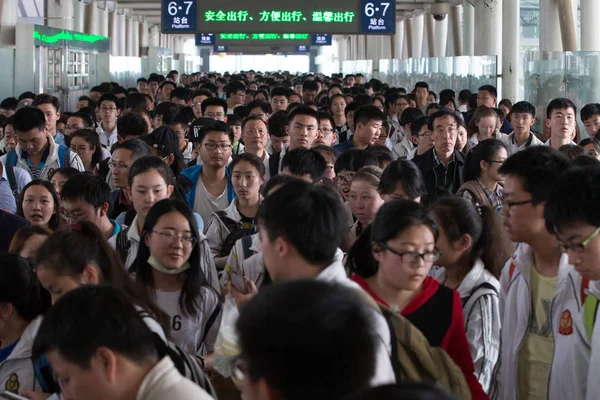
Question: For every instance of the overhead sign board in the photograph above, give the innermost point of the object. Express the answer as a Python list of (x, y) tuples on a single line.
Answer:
[(205, 39), (321, 39), (311, 16), (179, 16), (302, 49), (220, 49)]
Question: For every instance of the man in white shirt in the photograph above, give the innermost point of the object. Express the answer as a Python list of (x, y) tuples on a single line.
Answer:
[(561, 118), (109, 111), (99, 347)]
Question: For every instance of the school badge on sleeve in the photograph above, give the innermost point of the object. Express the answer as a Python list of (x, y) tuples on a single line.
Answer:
[(12, 384), (566, 323)]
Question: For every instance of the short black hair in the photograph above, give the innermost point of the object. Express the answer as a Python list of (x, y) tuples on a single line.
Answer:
[(573, 199), (572, 151), (335, 365), (136, 100), (277, 123), (447, 94), (490, 89), (353, 160), (215, 126), (421, 85), (175, 115), (137, 147), (538, 167), (560, 103), (280, 91), (310, 85), (180, 93), (487, 151), (9, 103), (366, 114), (303, 110), (109, 97), (405, 173), (441, 114), (20, 287), (352, 107), (45, 98), (589, 111), (326, 116), (308, 216), (87, 187), (28, 118), (463, 95), (431, 92), (523, 107), (213, 101), (303, 161), (131, 124), (90, 317), (410, 115), (418, 124), (259, 104), (234, 87), (85, 118)]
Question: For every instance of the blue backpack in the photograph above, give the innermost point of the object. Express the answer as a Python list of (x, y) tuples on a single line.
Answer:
[(64, 157)]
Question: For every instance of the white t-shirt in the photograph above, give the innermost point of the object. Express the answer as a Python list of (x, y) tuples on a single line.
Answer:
[(205, 203), (187, 153), (187, 332)]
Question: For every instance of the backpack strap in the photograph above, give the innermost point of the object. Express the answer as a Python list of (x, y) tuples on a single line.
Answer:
[(123, 244), (12, 180), (211, 321), (64, 156), (11, 158), (274, 164), (483, 289), (590, 311), (475, 189), (231, 225), (246, 244)]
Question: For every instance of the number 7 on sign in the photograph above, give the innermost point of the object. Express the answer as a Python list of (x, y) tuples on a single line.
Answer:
[(189, 4), (385, 7)]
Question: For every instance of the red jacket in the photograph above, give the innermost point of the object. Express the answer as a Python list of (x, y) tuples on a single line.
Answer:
[(437, 312)]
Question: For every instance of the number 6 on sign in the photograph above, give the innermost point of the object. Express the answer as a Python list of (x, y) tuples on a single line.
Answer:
[(370, 9), (172, 8)]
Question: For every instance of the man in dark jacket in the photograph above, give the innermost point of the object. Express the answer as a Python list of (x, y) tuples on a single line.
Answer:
[(442, 166)]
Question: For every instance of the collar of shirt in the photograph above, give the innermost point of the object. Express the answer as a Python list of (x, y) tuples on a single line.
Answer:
[(526, 144), (42, 162), (123, 198), (4, 174), (116, 227), (437, 161)]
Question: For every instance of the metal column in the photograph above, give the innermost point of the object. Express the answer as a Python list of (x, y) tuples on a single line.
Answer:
[(511, 46), (590, 15), (488, 27)]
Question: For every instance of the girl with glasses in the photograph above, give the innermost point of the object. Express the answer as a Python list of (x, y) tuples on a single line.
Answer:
[(392, 260), (171, 264)]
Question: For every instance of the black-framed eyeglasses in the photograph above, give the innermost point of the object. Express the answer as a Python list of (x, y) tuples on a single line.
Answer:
[(511, 204), (578, 247), (170, 238), (410, 257)]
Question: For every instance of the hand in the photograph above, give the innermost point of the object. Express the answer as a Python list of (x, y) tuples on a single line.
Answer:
[(31, 395), (240, 298)]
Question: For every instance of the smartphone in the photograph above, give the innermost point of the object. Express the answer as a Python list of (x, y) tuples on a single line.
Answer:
[(239, 283), (11, 396)]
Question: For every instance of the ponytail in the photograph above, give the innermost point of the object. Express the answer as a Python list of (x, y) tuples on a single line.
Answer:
[(360, 258), (493, 247), (458, 217)]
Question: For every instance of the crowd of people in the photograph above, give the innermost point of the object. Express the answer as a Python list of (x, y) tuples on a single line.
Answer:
[(360, 241)]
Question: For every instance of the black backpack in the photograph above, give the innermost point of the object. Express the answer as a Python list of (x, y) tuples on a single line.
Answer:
[(236, 232)]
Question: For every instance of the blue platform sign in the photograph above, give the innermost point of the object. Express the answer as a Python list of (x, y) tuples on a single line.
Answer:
[(378, 16), (178, 16), (221, 49), (206, 39), (321, 39), (302, 49)]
